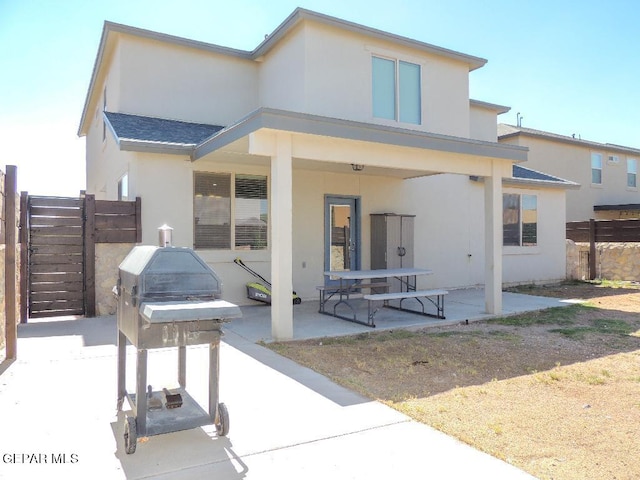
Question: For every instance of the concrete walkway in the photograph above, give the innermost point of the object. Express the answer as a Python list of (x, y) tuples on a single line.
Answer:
[(58, 404)]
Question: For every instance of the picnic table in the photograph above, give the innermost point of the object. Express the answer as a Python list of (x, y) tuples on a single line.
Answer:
[(353, 281)]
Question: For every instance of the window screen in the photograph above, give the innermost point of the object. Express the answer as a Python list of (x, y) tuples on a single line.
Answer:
[(529, 220), (632, 172), (596, 168), (384, 88), (510, 219), (409, 78), (212, 210), (251, 212)]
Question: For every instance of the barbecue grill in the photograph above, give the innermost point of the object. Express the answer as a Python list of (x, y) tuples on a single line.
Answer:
[(169, 297)]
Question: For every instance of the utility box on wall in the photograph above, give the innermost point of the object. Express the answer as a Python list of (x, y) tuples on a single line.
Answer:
[(392, 242)]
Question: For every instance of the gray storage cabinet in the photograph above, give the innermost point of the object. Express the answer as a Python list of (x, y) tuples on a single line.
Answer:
[(392, 242)]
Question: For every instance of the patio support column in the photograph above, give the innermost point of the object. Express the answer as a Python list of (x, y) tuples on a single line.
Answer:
[(493, 240), (281, 239)]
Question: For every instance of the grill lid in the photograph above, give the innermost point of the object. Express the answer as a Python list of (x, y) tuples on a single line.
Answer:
[(167, 271)]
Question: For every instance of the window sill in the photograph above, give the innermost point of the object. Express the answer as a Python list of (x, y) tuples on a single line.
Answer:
[(532, 250), (597, 185)]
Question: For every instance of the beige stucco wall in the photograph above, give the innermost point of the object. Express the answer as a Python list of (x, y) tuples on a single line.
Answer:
[(546, 261), (483, 124), (450, 233), (164, 203), (326, 71), (282, 74), (170, 81), (573, 162)]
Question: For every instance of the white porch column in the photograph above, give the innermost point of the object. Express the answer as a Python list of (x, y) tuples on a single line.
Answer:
[(493, 240), (281, 239)]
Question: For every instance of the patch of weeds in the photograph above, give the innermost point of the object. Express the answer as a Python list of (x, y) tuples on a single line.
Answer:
[(603, 326), (576, 333), (393, 335), (447, 334), (614, 326), (614, 283), (546, 378), (550, 316), (496, 428), (508, 336), (590, 379)]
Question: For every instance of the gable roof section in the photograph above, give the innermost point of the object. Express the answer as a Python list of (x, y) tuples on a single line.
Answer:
[(138, 133), (509, 131), (533, 177), (523, 176), (298, 15)]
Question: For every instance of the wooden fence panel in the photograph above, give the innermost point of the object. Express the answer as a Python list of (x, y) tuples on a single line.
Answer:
[(117, 221)]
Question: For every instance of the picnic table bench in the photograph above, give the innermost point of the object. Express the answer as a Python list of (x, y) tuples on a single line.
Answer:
[(415, 294)]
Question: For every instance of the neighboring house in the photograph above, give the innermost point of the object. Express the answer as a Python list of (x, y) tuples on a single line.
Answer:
[(263, 154), (608, 174)]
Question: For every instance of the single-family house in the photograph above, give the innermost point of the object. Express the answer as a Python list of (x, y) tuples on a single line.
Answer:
[(607, 173), (265, 154)]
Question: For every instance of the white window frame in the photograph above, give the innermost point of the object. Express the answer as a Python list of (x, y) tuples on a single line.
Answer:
[(232, 211), (596, 156), (520, 248), (123, 187), (397, 94)]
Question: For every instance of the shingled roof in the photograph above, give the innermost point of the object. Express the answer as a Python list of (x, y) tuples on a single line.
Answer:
[(136, 128), (526, 176)]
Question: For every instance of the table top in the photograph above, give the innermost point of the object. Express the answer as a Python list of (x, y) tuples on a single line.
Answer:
[(366, 274)]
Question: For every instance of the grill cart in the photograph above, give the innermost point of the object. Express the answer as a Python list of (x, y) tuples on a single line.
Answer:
[(168, 297)]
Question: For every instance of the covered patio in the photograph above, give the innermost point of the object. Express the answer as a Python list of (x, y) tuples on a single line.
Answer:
[(285, 141)]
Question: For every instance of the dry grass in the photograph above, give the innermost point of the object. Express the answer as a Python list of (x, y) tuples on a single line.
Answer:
[(556, 393)]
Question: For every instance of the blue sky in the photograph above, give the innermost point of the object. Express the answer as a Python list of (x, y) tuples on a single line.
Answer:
[(567, 66)]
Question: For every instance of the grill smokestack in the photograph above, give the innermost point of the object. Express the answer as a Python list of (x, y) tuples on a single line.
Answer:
[(165, 234)]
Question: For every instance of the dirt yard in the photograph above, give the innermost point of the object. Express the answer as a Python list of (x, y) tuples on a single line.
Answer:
[(556, 393)]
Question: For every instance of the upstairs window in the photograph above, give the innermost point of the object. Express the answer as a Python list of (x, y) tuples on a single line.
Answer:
[(519, 220), (632, 173), (396, 90), (596, 168), (230, 209), (123, 187)]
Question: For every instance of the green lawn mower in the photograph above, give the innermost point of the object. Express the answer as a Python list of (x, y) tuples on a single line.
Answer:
[(261, 292)]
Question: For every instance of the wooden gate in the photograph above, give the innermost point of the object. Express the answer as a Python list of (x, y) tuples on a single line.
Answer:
[(56, 266)]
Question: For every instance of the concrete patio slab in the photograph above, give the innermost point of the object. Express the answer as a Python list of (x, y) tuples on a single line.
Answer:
[(460, 306), (59, 418)]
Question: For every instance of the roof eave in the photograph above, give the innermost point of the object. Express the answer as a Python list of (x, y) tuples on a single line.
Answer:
[(82, 128), (572, 141), (499, 109), (541, 183), (127, 145), (300, 14)]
